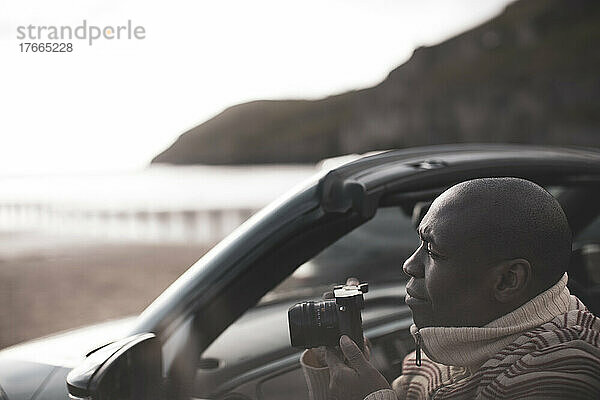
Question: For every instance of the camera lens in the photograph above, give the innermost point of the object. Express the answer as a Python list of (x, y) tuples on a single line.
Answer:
[(314, 324)]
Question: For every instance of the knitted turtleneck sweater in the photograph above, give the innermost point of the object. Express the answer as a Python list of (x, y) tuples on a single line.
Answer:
[(547, 348)]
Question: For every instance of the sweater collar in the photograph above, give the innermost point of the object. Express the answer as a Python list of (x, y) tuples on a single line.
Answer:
[(472, 346)]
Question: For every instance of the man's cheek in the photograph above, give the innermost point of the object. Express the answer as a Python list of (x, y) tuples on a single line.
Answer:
[(437, 291), (443, 298)]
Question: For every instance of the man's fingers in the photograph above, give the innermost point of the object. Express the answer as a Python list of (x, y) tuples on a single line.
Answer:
[(367, 347), (333, 360), (328, 295), (315, 357), (355, 357), (352, 281)]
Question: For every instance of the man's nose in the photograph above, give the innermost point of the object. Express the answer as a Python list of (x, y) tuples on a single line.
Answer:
[(413, 266)]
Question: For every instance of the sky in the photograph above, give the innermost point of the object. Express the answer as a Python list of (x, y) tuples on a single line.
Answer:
[(115, 104)]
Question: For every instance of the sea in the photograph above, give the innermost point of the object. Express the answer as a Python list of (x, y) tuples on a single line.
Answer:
[(179, 204)]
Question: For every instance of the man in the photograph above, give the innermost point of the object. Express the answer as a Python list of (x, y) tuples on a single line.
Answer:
[(493, 318)]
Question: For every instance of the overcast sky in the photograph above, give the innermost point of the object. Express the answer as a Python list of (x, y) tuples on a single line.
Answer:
[(115, 104)]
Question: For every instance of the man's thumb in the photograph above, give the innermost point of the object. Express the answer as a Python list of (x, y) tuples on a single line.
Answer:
[(355, 357)]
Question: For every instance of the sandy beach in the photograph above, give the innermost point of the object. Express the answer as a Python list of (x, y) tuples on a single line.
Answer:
[(51, 284)]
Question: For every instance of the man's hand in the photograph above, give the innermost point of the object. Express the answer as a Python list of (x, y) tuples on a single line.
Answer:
[(315, 357), (355, 380)]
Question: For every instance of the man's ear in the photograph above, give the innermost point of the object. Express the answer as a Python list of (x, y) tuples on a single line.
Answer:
[(512, 280)]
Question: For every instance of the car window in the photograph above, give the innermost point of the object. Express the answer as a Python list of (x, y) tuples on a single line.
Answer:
[(591, 234), (256, 347), (373, 252), (586, 256)]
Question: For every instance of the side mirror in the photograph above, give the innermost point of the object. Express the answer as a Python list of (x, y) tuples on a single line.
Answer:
[(129, 369)]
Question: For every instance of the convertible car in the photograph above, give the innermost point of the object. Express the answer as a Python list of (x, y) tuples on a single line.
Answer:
[(220, 331)]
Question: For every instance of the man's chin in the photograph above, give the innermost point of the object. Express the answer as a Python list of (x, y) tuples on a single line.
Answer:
[(421, 318)]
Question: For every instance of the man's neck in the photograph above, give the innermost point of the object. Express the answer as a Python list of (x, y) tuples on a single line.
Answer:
[(472, 346)]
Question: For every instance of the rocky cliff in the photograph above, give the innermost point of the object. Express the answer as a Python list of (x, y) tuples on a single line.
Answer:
[(530, 75)]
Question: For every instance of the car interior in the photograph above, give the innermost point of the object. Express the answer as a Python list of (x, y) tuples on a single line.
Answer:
[(251, 361)]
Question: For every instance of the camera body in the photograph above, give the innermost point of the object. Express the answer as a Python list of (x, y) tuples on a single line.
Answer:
[(322, 323)]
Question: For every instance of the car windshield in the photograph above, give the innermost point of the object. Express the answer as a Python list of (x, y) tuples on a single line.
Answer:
[(373, 253)]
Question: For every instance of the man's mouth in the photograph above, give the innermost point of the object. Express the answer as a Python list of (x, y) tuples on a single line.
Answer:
[(413, 297)]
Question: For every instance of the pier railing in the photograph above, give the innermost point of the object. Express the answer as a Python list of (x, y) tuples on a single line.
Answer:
[(197, 226)]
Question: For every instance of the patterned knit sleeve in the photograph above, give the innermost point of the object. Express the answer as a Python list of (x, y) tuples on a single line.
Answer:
[(566, 371), (384, 394), (317, 379)]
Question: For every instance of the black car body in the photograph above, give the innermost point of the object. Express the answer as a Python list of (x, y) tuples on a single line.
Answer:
[(219, 340)]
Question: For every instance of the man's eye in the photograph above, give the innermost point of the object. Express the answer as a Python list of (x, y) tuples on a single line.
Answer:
[(431, 253)]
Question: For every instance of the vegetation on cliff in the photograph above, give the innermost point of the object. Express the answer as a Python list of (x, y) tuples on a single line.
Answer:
[(529, 75)]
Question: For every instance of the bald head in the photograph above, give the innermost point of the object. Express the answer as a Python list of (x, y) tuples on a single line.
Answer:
[(487, 247), (507, 218)]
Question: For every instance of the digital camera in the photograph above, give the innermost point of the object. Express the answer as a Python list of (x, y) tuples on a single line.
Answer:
[(322, 323)]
